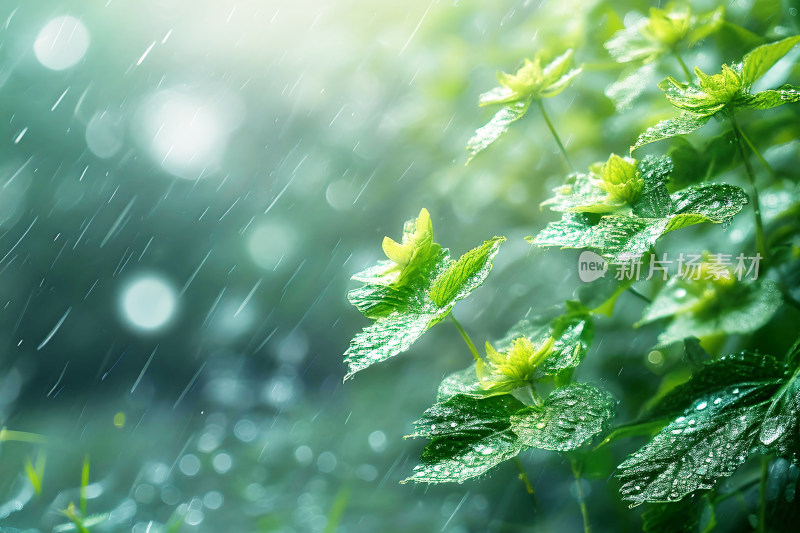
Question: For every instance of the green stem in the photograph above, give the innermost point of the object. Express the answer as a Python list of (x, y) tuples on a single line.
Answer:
[(20, 436), (338, 507), (760, 157), (533, 398), (465, 336), (793, 352), (760, 242), (683, 66), (639, 295), (555, 136), (577, 468), (523, 476), (762, 495)]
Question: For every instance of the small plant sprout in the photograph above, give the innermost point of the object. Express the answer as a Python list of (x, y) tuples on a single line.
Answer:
[(726, 93), (534, 81), (664, 32), (415, 249), (504, 372), (35, 472), (78, 517), (644, 44)]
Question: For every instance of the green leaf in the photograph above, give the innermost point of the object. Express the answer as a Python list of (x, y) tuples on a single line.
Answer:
[(36, 473), (79, 523), (569, 418), (744, 38), (629, 45), (375, 300), (618, 237), (730, 407), (461, 382), (680, 125), (408, 297), (630, 85), (654, 201), (457, 460), (773, 98), (386, 338), (705, 307), (704, 25), (780, 429), (726, 371), (21, 436), (408, 257), (559, 84), (708, 442), (718, 203), (470, 436), (467, 416), (757, 62), (84, 483), (466, 274), (486, 135)]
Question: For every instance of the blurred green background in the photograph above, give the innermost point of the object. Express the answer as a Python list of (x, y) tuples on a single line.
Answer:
[(186, 187)]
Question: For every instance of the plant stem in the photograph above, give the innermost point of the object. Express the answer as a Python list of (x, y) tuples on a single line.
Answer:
[(793, 351), (639, 294), (760, 243), (465, 336), (555, 136), (760, 157), (20, 436), (577, 468), (523, 476), (762, 495), (683, 66)]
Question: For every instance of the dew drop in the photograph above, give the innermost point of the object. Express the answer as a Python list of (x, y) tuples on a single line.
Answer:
[(771, 430)]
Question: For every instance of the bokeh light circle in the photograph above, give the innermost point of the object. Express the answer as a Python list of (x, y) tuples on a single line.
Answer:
[(61, 43), (104, 134), (148, 303)]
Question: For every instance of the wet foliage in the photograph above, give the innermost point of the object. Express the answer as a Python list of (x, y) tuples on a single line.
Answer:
[(712, 413), (187, 189)]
